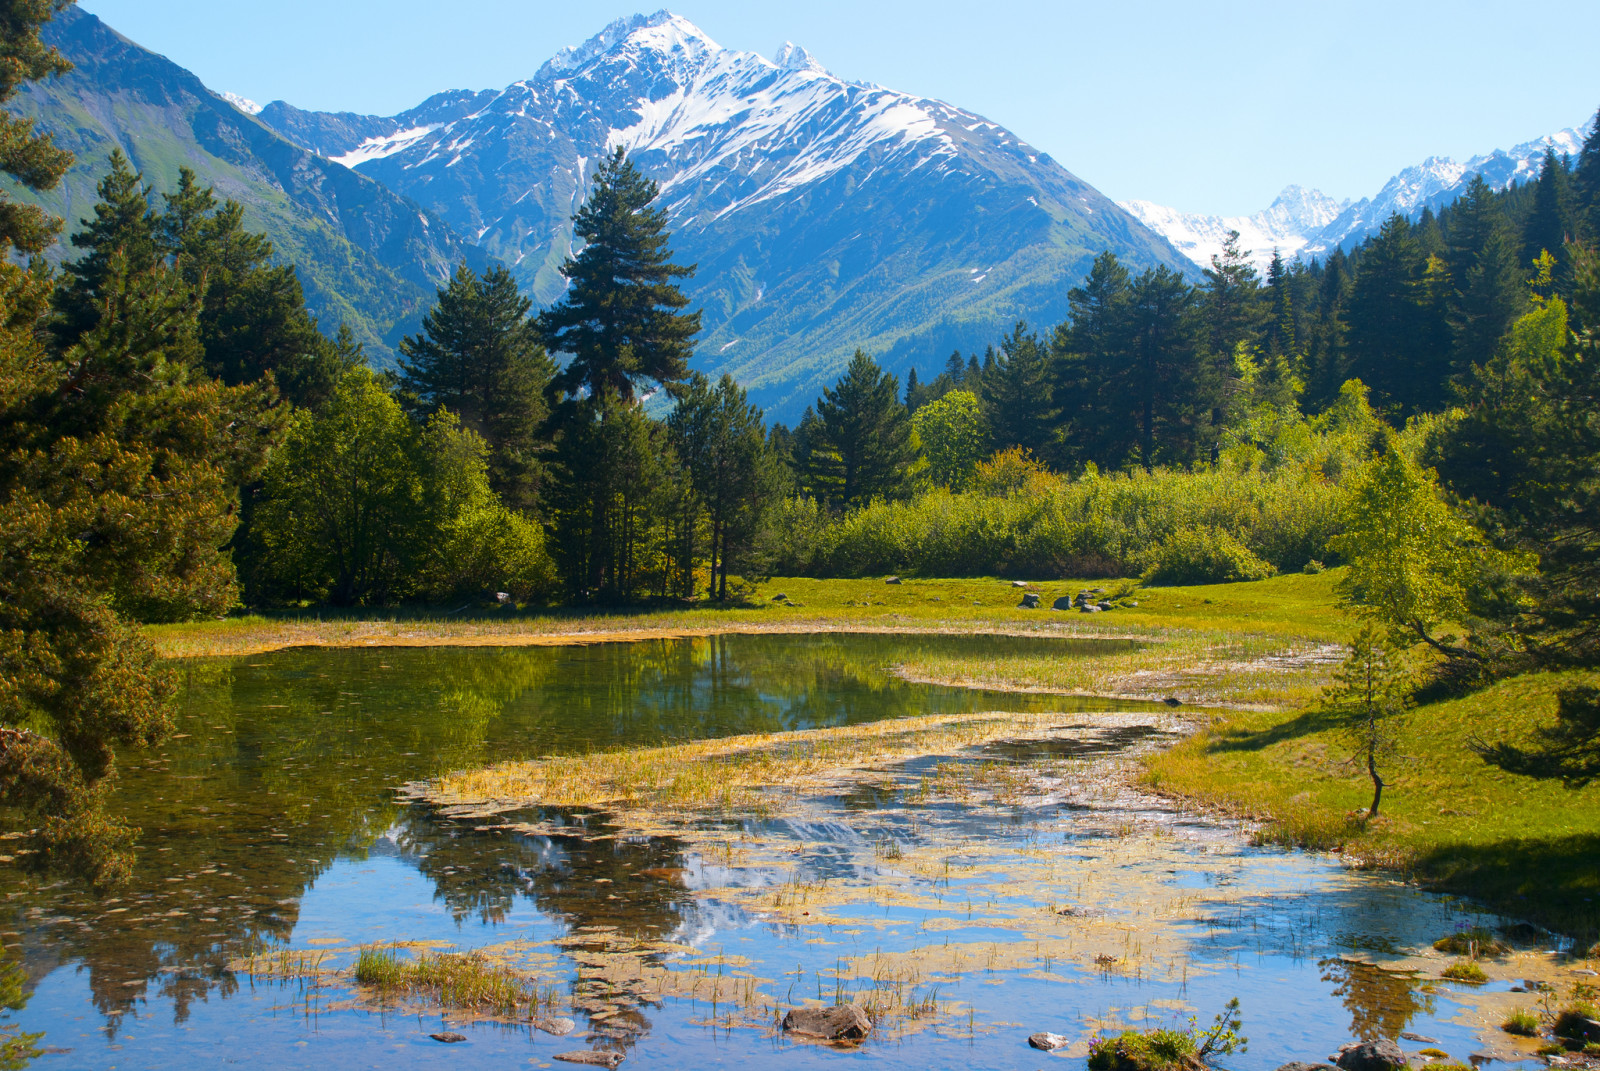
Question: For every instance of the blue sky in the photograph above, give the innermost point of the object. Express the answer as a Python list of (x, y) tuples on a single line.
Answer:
[(1205, 106)]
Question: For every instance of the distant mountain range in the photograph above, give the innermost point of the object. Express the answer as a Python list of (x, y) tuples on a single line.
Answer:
[(366, 255), (823, 214), (1307, 223)]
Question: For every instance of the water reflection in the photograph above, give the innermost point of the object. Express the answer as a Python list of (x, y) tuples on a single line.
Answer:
[(286, 762)]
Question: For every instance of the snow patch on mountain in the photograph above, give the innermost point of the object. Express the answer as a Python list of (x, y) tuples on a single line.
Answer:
[(244, 104), (381, 147), (1285, 227), (1306, 223)]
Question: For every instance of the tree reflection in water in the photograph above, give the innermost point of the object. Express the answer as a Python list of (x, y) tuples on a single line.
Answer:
[(1381, 1003)]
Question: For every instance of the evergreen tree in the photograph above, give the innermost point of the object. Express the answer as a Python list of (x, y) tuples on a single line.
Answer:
[(125, 229), (1326, 363), (1586, 184), (1281, 333), (480, 357), (1487, 287), (858, 439), (1088, 352), (1392, 341), (1552, 222), (32, 160), (1232, 299), (718, 438), (1172, 388), (619, 319), (1016, 393)]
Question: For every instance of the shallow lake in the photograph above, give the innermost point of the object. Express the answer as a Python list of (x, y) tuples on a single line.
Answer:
[(981, 914)]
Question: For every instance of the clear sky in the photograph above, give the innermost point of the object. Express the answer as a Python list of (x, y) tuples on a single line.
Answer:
[(1208, 106)]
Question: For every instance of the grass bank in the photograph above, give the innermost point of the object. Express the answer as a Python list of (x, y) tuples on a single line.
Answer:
[(1245, 643), (1524, 846)]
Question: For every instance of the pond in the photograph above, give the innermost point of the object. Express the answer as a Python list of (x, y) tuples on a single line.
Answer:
[(975, 908)]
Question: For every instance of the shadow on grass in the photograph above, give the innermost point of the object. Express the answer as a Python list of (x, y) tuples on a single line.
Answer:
[(1553, 881), (1242, 739)]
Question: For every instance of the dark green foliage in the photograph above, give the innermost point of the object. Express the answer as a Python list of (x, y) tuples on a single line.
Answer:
[(1089, 353), (33, 160), (620, 319), (1396, 335), (718, 438), (1233, 311), (1552, 221), (1487, 290), (1016, 394), (856, 445), (480, 357), (1586, 184), (1172, 390)]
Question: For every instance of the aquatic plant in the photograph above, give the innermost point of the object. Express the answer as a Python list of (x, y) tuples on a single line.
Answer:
[(1464, 971), (1166, 1049), (1472, 943), (1523, 1022), (452, 979)]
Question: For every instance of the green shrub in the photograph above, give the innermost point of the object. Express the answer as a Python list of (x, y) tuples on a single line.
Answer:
[(1522, 1022), (1474, 942), (1153, 1050), (1576, 1020), (1465, 971), (1313, 567), (1203, 556)]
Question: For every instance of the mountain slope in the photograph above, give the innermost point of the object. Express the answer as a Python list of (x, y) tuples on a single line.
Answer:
[(823, 214), (364, 255), (1307, 223)]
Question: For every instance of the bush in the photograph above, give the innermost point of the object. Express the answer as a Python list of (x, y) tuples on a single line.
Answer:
[(1577, 1022), (1203, 556), (1522, 1022), (1465, 971), (1474, 943), (1154, 1050)]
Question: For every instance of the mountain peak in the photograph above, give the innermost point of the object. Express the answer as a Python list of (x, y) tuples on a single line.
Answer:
[(791, 57), (662, 32)]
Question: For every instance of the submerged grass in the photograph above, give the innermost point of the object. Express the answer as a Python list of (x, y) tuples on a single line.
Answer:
[(1527, 847), (467, 981), (725, 773)]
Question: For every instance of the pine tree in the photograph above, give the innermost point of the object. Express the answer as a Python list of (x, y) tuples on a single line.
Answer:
[(1280, 336), (1552, 223), (1087, 354), (1391, 348), (1173, 389), (1232, 299), (1016, 394), (479, 356), (126, 229), (619, 319), (1586, 184), (1487, 286), (1368, 698), (859, 439), (32, 160), (1326, 361)]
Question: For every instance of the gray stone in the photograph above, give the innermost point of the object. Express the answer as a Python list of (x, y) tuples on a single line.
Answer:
[(780, 597), (1097, 591), (1300, 1065), (892, 580), (448, 1038), (1063, 603), (591, 1058), (838, 1023), (1372, 1056), (1133, 604), (557, 1025), (1105, 606), (1089, 608), (1030, 601), (1173, 701), (1048, 1042), (1019, 583), (1420, 1039)]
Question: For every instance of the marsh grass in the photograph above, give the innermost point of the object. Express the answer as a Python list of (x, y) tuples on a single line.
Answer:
[(1523, 1022), (1464, 970), (466, 981), (1471, 943), (730, 774)]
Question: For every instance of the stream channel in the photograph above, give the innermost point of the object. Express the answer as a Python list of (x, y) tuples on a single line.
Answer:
[(972, 907)]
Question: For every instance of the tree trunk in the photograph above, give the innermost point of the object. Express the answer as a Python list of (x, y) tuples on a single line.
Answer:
[(1377, 784)]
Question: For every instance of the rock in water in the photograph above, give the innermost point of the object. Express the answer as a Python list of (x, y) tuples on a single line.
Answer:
[(1048, 1042), (840, 1022), (1299, 1065), (557, 1026), (591, 1058), (1372, 1056), (448, 1038), (1030, 601)]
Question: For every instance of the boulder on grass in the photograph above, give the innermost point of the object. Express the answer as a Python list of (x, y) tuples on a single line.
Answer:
[(1063, 603), (842, 1022), (1030, 601)]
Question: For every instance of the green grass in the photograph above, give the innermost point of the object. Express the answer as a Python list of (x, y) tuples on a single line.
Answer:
[(1523, 1022), (1464, 971), (1528, 847), (467, 981)]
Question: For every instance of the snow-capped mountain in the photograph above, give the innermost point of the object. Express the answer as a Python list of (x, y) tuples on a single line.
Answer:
[(1286, 227), (1307, 223), (823, 214)]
